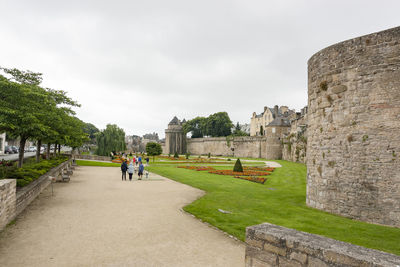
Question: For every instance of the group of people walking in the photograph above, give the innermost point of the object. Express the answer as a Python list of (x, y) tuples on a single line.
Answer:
[(130, 169)]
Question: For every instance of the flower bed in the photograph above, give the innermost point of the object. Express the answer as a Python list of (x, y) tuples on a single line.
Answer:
[(197, 168), (266, 169), (260, 180), (244, 173)]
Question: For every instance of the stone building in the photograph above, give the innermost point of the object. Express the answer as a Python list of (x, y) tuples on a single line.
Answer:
[(259, 122), (295, 141), (353, 135), (175, 139)]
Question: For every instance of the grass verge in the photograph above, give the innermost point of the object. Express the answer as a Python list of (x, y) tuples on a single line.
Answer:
[(96, 163), (281, 201)]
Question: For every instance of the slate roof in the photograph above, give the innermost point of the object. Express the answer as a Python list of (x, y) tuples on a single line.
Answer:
[(174, 121), (279, 121)]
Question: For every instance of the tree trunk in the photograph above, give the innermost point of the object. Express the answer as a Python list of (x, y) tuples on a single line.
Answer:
[(48, 151), (39, 145), (21, 151), (59, 149), (55, 149)]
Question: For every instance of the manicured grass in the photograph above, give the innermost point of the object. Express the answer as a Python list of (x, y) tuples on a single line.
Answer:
[(281, 201), (96, 163)]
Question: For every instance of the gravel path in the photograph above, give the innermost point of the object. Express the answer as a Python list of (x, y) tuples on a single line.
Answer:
[(98, 220)]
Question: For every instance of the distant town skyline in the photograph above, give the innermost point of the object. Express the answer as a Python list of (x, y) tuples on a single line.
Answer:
[(138, 64)]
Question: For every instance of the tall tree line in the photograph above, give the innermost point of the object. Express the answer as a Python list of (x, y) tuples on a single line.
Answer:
[(215, 125), (29, 111)]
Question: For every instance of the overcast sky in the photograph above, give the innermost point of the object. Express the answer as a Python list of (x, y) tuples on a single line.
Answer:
[(139, 63)]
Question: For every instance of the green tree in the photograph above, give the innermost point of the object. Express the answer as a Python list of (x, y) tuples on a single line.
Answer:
[(238, 166), (91, 130), (218, 124), (261, 130), (196, 126), (238, 132), (111, 139), (30, 111), (153, 149)]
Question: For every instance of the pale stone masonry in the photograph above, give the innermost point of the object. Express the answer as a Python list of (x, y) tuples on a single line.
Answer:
[(272, 245), (7, 201), (353, 149)]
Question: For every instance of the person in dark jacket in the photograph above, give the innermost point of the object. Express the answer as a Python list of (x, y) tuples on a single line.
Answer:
[(124, 168), (141, 169)]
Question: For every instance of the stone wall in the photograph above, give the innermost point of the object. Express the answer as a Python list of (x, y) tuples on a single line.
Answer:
[(353, 146), (13, 201), (272, 245), (246, 146), (7, 201), (93, 157), (295, 142)]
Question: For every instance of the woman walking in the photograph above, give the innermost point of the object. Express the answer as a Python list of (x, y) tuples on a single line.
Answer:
[(131, 169)]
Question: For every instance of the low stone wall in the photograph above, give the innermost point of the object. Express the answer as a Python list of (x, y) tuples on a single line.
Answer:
[(28, 193), (13, 201), (272, 245), (7, 201), (246, 146), (93, 157)]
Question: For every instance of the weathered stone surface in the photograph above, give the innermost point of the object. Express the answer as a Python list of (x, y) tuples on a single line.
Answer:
[(269, 147), (315, 262), (274, 249), (300, 257), (283, 262), (339, 89), (7, 201), (312, 250), (353, 145), (261, 255)]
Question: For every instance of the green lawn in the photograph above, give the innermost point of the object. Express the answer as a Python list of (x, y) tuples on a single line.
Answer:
[(281, 201), (96, 163)]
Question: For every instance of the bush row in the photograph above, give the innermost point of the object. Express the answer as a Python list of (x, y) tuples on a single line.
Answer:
[(31, 171)]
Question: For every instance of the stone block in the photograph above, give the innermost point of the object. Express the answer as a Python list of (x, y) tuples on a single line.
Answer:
[(339, 89), (300, 257), (276, 250), (283, 262), (261, 255), (339, 258), (255, 243), (315, 262)]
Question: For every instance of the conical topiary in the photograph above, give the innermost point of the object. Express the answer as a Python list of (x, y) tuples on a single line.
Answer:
[(238, 166), (176, 155)]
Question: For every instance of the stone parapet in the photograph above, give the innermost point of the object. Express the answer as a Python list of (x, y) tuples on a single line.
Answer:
[(7, 201), (27, 194), (272, 245), (243, 146), (14, 200)]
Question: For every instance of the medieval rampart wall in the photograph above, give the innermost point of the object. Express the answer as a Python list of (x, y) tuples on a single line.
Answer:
[(353, 135)]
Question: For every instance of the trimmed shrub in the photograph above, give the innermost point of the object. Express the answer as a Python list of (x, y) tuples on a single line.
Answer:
[(238, 166), (176, 155)]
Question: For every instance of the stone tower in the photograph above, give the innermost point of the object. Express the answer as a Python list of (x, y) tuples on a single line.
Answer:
[(175, 139), (353, 144)]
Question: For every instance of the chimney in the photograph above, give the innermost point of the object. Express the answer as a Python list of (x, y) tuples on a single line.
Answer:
[(276, 110)]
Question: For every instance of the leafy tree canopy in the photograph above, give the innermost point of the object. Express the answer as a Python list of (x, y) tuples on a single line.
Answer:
[(215, 125)]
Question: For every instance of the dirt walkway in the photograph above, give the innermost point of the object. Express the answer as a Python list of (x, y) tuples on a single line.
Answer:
[(98, 220)]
